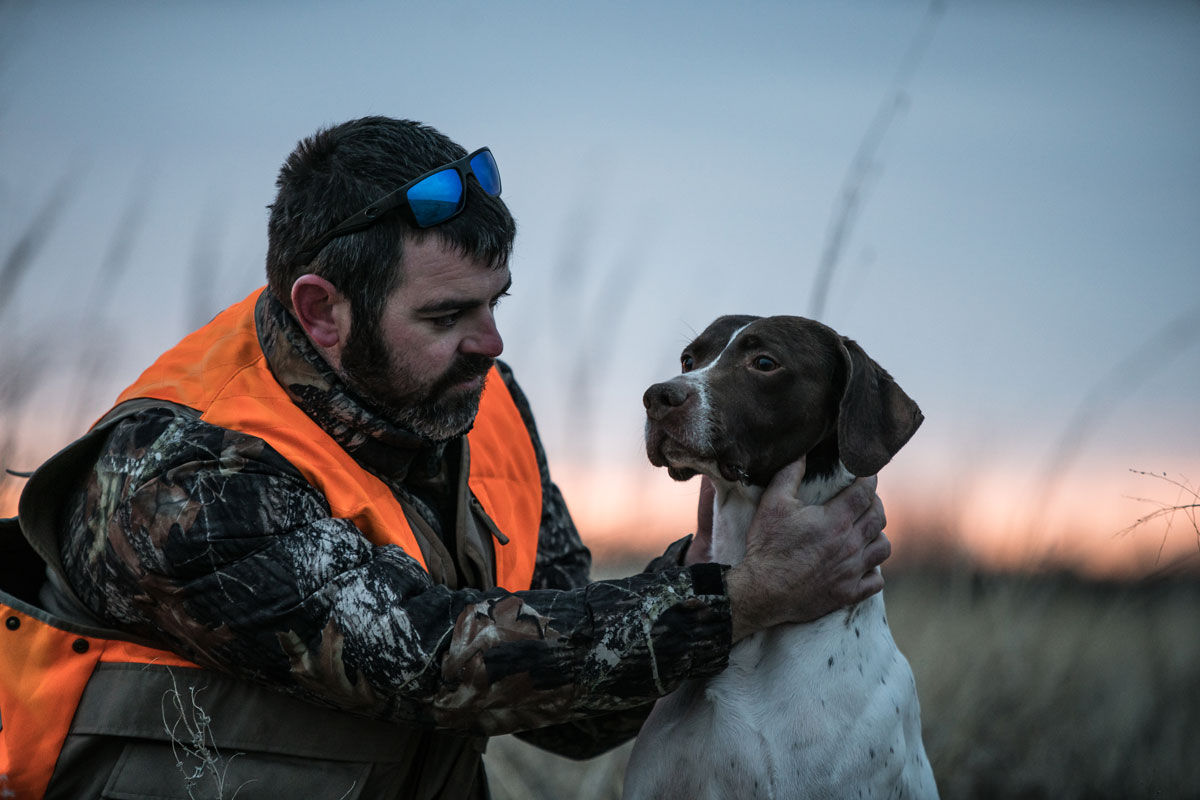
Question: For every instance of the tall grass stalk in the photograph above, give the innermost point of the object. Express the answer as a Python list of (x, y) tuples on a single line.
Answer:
[(1169, 511), (865, 166)]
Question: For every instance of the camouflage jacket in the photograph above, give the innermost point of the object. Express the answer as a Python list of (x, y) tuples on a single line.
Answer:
[(207, 541)]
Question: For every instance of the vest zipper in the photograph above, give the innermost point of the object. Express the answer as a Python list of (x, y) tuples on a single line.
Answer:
[(487, 521)]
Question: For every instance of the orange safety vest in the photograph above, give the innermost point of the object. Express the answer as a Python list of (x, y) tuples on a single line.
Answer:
[(43, 672), (220, 371)]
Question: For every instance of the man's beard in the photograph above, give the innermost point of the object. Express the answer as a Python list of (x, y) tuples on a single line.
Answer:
[(438, 412)]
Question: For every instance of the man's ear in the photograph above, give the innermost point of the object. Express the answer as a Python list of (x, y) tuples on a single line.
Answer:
[(323, 312)]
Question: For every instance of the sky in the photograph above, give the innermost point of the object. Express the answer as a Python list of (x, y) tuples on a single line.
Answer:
[(1007, 194)]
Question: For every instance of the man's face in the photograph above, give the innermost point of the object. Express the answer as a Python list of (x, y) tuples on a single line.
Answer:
[(437, 339)]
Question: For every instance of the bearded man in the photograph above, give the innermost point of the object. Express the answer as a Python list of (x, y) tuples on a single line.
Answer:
[(315, 550)]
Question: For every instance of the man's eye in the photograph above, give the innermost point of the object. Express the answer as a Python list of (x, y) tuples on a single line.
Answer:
[(765, 364), (688, 362), (445, 321)]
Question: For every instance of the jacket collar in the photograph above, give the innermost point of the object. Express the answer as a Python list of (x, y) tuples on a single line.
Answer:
[(388, 450)]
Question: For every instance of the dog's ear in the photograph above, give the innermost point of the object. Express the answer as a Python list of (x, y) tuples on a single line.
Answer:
[(875, 417)]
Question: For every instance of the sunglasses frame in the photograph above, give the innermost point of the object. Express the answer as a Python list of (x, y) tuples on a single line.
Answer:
[(398, 198)]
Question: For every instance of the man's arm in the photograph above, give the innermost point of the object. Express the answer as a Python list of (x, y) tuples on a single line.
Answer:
[(207, 541)]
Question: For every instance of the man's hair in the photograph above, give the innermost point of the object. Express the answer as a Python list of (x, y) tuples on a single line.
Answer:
[(338, 171)]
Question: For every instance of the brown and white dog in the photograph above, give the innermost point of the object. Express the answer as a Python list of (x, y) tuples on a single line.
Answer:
[(825, 709)]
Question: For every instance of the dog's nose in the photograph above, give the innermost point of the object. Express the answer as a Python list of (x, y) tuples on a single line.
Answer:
[(662, 397)]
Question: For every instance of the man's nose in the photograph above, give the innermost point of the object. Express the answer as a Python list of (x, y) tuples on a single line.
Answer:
[(485, 339)]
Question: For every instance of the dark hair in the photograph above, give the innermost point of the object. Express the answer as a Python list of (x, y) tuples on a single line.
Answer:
[(338, 171)]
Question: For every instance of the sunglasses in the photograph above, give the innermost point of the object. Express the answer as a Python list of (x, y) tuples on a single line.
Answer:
[(434, 197)]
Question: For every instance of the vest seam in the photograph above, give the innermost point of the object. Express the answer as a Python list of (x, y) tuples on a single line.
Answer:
[(251, 365)]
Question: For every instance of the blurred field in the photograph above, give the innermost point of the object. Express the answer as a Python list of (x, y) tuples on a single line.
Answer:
[(1031, 686)]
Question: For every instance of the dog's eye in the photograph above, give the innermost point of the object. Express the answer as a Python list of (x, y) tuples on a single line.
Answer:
[(765, 364), (688, 362)]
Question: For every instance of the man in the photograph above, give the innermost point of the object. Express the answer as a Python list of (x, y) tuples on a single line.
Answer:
[(320, 533)]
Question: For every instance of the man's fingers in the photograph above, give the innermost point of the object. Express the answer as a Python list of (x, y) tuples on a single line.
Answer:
[(877, 552), (857, 498), (871, 523), (787, 480), (866, 494), (870, 583)]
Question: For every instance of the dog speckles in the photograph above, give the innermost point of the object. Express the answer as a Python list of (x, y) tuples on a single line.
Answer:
[(831, 662)]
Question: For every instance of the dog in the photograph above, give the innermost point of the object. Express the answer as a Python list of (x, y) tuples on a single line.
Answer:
[(825, 709)]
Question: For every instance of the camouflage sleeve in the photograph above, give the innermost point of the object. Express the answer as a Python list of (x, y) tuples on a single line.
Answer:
[(210, 542), (587, 738)]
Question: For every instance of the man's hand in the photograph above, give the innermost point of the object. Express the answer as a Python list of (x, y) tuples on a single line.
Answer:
[(803, 562)]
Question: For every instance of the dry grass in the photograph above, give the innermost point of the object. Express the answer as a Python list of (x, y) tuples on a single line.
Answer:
[(1054, 687), (1030, 687)]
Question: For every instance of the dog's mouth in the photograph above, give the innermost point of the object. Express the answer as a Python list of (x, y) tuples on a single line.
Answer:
[(684, 462), (733, 472)]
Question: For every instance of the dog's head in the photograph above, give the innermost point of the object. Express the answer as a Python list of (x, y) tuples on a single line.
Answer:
[(757, 393)]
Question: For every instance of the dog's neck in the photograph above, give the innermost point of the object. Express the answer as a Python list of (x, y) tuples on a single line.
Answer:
[(734, 505)]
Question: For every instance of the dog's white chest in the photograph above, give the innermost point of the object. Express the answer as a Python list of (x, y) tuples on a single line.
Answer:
[(824, 709)]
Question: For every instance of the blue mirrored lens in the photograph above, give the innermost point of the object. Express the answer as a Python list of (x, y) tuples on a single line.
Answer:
[(437, 198), (486, 172)]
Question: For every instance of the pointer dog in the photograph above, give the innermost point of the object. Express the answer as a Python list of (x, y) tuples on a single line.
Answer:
[(824, 709)]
